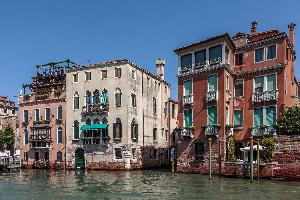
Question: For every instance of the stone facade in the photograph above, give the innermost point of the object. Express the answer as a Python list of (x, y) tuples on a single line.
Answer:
[(124, 139), (221, 76)]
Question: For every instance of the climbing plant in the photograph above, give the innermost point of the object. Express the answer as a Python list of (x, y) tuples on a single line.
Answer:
[(269, 144), (231, 149), (289, 122), (7, 137)]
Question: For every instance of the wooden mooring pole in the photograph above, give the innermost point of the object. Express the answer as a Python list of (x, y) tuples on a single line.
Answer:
[(258, 175), (209, 160), (251, 159)]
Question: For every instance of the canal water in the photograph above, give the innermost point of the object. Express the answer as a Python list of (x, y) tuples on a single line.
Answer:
[(46, 184)]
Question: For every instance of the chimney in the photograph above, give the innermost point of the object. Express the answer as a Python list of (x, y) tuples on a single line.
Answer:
[(291, 27), (253, 27), (160, 65)]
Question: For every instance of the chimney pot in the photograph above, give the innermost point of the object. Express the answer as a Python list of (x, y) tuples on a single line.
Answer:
[(160, 65), (291, 27), (253, 27)]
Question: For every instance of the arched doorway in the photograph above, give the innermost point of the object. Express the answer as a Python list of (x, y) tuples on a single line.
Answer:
[(79, 158)]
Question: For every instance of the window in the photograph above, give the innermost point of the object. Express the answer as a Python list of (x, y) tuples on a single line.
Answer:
[(59, 156), (133, 74), (75, 78), (188, 118), (227, 115), (227, 83), (103, 74), (117, 129), (118, 97), (173, 110), (200, 57), (166, 135), (47, 156), (271, 50), (271, 82), (153, 154), (37, 156), (227, 54), (25, 136), (238, 118), (134, 130), (96, 97), (167, 154), (59, 135), (239, 59), (188, 87), (258, 117), (215, 54), (271, 116), (212, 115), (186, 61), (118, 153), (264, 116), (25, 156), (265, 83), (133, 100), (59, 112), (155, 134), (88, 99), (148, 82), (212, 83), (118, 72), (133, 153), (88, 76), (238, 88), (259, 55), (166, 109), (25, 116), (199, 150), (259, 84), (76, 130), (37, 114), (47, 114), (154, 105), (76, 101)]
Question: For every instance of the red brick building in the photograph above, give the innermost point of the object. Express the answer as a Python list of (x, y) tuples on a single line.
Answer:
[(232, 85)]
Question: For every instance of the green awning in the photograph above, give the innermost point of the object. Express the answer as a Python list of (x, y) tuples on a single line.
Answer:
[(87, 127)]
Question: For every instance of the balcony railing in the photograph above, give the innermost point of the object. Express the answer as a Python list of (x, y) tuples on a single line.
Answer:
[(265, 96), (264, 130), (215, 61), (95, 140), (212, 130), (40, 137), (188, 132), (94, 109), (188, 99), (228, 96), (211, 96), (40, 122)]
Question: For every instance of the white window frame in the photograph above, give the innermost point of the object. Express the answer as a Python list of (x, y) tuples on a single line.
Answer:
[(102, 70), (77, 74), (86, 75), (184, 125), (24, 115), (265, 81), (243, 113), (264, 56), (114, 152), (186, 80), (57, 111), (73, 131), (49, 113), (35, 114), (264, 113), (61, 135), (208, 115), (115, 92), (76, 94), (267, 47), (234, 87), (215, 74)]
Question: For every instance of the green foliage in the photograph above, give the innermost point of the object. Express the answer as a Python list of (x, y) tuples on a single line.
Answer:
[(231, 149), (269, 144), (7, 137), (289, 122)]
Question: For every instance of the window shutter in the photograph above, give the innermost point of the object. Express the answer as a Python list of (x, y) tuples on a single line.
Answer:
[(271, 82)]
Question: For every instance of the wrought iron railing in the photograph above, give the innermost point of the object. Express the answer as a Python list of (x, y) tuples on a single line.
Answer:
[(212, 130), (94, 109), (188, 99), (265, 96), (188, 132), (264, 130), (211, 96)]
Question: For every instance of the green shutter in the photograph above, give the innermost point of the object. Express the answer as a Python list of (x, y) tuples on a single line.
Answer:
[(271, 116), (271, 82), (188, 118), (212, 115), (212, 83), (187, 87), (258, 117)]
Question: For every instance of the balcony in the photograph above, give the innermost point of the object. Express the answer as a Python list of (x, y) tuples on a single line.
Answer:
[(263, 130), (94, 109), (96, 140), (188, 132), (187, 100), (265, 96), (41, 122), (215, 61), (228, 96), (211, 96), (40, 137), (211, 130)]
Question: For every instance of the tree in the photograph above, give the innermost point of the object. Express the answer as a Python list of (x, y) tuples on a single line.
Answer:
[(269, 144), (289, 122), (231, 149), (7, 137)]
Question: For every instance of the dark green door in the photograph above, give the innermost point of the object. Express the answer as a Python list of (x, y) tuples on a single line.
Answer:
[(79, 158)]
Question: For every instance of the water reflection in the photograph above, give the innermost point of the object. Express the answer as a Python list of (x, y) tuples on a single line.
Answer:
[(46, 184)]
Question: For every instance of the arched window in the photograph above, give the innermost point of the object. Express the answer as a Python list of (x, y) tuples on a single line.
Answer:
[(88, 98), (133, 99), (25, 136), (88, 121), (59, 135), (96, 121), (117, 129), (59, 112), (96, 97), (134, 130), (104, 121), (76, 130), (154, 105), (76, 101), (118, 97)]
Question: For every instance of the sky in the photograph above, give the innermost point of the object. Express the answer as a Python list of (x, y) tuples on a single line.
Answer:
[(36, 32)]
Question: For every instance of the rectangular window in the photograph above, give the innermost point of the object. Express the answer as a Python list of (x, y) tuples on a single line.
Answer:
[(188, 121), (271, 82), (47, 156), (76, 102), (103, 74), (271, 52), (154, 105), (75, 78), (259, 84), (259, 54), (227, 82), (25, 116), (47, 114), (212, 83), (173, 110), (59, 112), (188, 87), (238, 88), (37, 155), (25, 156), (118, 72), (215, 54), (239, 59), (186, 61), (133, 153), (88, 76), (212, 115), (199, 151), (148, 82), (227, 115), (271, 116), (166, 135), (133, 74), (258, 117), (200, 57), (118, 153), (166, 109), (238, 118), (59, 156), (133, 100), (155, 134), (37, 114)]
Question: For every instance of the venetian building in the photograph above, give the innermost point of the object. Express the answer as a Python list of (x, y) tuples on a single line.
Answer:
[(118, 116)]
